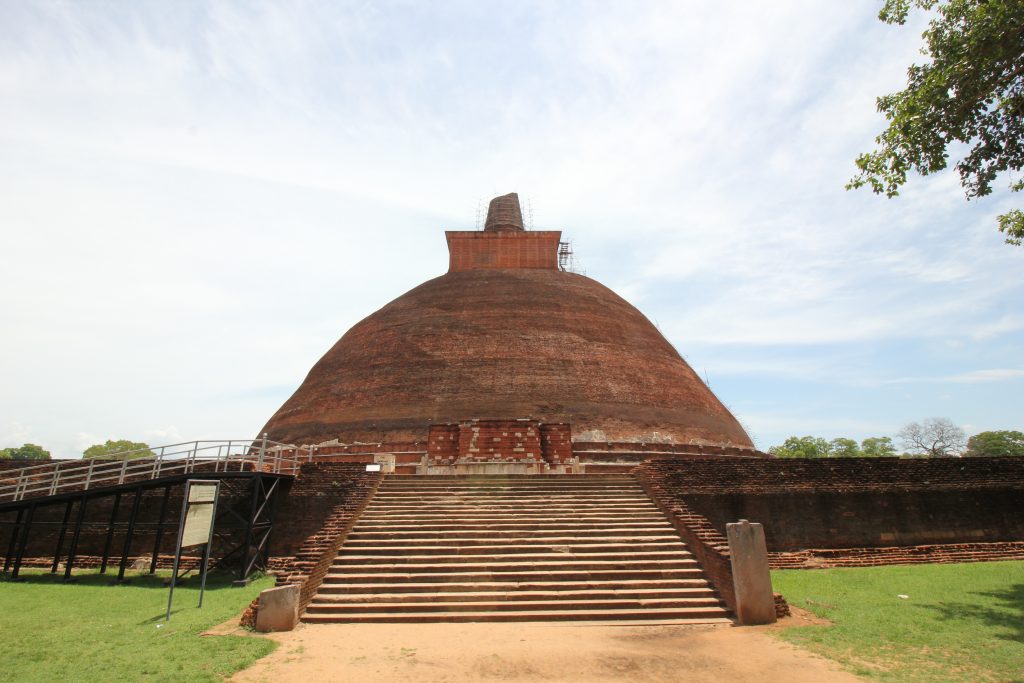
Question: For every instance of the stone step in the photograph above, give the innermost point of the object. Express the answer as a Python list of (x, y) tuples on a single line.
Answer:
[(509, 501), (703, 615), (517, 488), (456, 536), (553, 556), (414, 522), (482, 595), (512, 574), (509, 494), (468, 494), (499, 480), (559, 603), (513, 548), (510, 587), (552, 509), (570, 545), (515, 563)]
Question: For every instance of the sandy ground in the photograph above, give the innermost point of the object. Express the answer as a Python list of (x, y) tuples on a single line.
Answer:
[(548, 652)]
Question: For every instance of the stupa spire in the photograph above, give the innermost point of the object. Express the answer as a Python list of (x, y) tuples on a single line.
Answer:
[(504, 214)]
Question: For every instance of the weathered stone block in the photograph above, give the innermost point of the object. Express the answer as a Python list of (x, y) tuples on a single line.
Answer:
[(752, 582), (278, 609)]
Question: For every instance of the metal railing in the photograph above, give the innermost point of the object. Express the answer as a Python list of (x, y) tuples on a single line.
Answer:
[(240, 455)]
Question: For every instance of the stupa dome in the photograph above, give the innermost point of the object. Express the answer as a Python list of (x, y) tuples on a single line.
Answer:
[(505, 334)]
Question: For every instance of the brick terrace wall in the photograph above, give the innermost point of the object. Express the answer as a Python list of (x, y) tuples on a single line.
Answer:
[(708, 545), (639, 452), (819, 558), (493, 440), (856, 502), (556, 442), (443, 443), (322, 506)]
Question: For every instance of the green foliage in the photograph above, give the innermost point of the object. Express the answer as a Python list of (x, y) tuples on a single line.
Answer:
[(816, 447), (843, 448), (118, 450), (877, 447), (29, 451), (969, 93), (957, 622), (802, 447), (996, 444), (93, 631)]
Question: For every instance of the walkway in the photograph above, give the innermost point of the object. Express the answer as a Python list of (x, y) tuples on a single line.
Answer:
[(535, 652)]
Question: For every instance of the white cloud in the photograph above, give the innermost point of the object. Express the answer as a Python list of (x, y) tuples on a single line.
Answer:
[(198, 203), (972, 377)]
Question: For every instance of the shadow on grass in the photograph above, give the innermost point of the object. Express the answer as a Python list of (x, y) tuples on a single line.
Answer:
[(1008, 614), (214, 580)]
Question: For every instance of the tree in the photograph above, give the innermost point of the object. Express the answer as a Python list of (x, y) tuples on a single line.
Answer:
[(877, 447), (996, 444), (118, 450), (935, 437), (970, 93), (843, 448), (802, 447), (29, 451)]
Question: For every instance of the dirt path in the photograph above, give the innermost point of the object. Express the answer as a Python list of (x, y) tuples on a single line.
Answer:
[(537, 652)]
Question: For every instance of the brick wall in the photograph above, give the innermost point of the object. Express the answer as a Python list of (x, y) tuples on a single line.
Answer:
[(820, 558), (487, 250), (644, 451), (504, 440), (707, 544), (850, 503), (556, 442), (321, 507)]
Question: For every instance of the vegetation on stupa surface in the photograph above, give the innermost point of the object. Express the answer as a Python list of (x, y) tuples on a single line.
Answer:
[(915, 623), (91, 630), (967, 97)]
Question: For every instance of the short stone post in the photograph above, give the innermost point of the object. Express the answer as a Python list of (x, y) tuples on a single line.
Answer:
[(751, 579), (278, 609)]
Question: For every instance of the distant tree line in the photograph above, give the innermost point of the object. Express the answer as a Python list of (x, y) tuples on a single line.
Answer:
[(934, 438), (111, 450)]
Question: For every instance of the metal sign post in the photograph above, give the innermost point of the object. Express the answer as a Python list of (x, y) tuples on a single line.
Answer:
[(198, 512)]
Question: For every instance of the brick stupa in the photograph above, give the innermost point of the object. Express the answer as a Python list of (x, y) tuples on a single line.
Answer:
[(505, 334)]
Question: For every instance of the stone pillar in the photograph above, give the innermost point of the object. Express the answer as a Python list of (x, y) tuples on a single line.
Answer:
[(751, 579), (278, 609)]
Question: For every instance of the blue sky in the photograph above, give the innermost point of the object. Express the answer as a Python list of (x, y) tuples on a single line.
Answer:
[(197, 200)]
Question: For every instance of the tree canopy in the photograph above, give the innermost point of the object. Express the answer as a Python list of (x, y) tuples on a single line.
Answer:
[(877, 447), (29, 451), (935, 437), (817, 447), (996, 444), (969, 94), (117, 450)]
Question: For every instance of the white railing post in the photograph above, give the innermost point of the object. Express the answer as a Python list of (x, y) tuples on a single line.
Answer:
[(55, 479), (19, 490), (88, 473), (124, 466), (263, 450)]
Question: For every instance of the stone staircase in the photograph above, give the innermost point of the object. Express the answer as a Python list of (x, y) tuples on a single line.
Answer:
[(513, 548)]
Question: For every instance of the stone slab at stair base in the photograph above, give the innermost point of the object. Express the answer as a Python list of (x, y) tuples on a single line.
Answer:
[(752, 581), (278, 609)]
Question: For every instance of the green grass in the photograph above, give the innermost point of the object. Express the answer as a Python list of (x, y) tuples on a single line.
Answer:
[(959, 622), (93, 631)]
